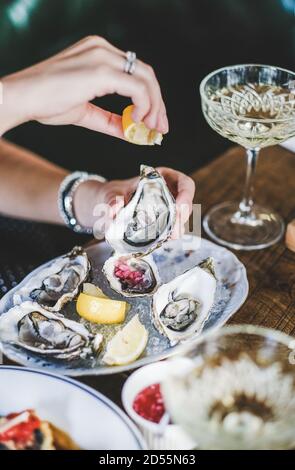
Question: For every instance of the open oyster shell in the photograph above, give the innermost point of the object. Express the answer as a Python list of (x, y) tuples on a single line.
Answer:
[(57, 284), (132, 276), (140, 227), (181, 307), (147, 220), (42, 332)]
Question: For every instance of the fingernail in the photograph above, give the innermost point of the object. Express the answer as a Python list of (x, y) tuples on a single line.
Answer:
[(165, 124), (150, 122)]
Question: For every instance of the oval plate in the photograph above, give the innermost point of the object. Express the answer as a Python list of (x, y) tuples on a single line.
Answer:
[(93, 421), (172, 259)]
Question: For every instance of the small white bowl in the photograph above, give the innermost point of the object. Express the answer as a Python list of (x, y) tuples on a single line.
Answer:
[(172, 437)]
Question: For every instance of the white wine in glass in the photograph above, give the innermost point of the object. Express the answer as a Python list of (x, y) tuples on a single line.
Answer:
[(235, 389), (254, 106)]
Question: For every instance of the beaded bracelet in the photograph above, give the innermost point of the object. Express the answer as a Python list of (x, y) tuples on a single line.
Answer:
[(66, 192)]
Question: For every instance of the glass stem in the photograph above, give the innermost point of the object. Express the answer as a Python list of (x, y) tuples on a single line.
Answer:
[(247, 202)]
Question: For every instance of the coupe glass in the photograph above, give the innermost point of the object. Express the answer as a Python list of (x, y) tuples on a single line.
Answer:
[(254, 106), (235, 389)]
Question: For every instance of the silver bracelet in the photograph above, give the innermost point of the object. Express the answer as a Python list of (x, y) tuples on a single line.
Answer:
[(66, 192)]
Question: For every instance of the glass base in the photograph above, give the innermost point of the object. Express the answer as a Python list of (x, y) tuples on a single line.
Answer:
[(227, 225)]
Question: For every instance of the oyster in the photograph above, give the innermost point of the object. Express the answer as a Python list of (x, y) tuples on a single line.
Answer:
[(37, 330), (181, 307), (131, 276), (57, 284), (147, 220)]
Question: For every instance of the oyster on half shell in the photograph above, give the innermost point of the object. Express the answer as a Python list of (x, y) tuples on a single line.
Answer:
[(58, 283), (131, 276), (147, 220), (181, 307), (37, 330)]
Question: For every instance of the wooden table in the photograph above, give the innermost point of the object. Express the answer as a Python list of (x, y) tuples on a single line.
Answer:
[(271, 272)]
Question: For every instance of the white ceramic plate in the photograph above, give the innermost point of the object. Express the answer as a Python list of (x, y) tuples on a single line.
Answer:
[(172, 259), (90, 419)]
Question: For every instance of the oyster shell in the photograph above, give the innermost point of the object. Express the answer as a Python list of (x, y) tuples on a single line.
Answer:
[(37, 330), (147, 220), (131, 276), (181, 307), (57, 284)]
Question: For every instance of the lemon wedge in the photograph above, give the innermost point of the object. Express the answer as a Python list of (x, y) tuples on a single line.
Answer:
[(101, 310), (92, 289), (127, 344), (138, 133)]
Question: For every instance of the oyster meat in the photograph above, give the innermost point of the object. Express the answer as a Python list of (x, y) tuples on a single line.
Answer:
[(130, 276), (147, 220), (140, 227), (42, 332), (181, 307), (57, 284)]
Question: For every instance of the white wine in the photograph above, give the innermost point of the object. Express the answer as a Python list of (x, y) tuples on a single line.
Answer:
[(254, 106), (253, 115)]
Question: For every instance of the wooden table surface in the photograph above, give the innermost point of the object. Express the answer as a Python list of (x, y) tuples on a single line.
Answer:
[(271, 272)]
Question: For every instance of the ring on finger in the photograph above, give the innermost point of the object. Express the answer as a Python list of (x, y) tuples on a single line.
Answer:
[(130, 63)]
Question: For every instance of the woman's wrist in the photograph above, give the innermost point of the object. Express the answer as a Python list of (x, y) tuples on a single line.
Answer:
[(86, 197), (12, 111)]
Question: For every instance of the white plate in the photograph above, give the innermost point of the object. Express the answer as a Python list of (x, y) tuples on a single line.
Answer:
[(90, 419), (172, 259)]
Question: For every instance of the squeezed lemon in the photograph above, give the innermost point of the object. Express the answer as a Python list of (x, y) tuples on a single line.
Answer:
[(137, 132)]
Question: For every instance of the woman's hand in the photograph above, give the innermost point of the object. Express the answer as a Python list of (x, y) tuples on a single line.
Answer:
[(114, 194), (58, 90)]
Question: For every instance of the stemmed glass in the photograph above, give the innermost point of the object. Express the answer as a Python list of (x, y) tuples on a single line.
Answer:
[(254, 106), (235, 389)]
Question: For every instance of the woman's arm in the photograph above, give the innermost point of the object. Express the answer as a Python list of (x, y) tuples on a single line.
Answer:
[(29, 188), (59, 90), (28, 185)]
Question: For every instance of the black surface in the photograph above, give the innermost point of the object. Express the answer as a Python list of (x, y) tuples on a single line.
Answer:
[(25, 245)]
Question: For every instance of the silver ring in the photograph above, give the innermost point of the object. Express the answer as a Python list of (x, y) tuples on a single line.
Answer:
[(130, 63)]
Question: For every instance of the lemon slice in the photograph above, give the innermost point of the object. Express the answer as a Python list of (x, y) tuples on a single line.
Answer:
[(101, 310), (92, 289), (127, 344), (138, 133)]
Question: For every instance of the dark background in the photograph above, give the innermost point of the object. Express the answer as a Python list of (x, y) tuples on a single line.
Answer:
[(182, 39)]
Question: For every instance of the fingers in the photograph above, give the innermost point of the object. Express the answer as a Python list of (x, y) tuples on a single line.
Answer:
[(100, 120), (184, 203), (163, 120), (100, 52), (98, 41), (117, 193), (129, 86), (100, 68), (186, 191), (183, 188), (156, 117), (178, 230), (90, 42)]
